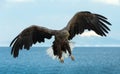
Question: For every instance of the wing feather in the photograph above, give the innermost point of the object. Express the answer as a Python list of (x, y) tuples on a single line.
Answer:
[(87, 20), (100, 16), (29, 36)]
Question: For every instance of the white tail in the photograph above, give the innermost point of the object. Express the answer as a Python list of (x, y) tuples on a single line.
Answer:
[(64, 55)]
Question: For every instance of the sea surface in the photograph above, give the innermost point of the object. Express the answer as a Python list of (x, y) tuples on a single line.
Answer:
[(88, 60)]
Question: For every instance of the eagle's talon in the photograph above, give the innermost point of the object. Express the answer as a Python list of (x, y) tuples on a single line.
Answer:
[(61, 60), (72, 58)]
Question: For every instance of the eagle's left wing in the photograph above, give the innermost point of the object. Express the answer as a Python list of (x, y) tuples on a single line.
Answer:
[(87, 20)]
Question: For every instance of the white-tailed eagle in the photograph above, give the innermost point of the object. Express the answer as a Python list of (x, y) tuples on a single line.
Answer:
[(81, 21)]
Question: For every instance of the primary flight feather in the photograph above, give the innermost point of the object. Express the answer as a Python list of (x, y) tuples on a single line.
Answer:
[(78, 23)]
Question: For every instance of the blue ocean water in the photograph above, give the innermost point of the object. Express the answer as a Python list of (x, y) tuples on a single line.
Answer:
[(88, 60)]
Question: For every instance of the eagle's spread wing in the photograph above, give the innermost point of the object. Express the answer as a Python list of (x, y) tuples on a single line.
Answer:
[(30, 36), (87, 20)]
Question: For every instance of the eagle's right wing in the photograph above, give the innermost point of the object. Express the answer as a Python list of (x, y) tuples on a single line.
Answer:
[(30, 36)]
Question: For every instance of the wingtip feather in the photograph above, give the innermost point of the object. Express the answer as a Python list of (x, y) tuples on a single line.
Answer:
[(13, 41)]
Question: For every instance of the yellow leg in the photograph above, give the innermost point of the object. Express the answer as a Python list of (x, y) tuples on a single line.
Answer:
[(61, 60), (72, 58)]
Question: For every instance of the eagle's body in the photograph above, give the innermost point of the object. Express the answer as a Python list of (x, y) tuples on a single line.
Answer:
[(80, 21), (61, 43)]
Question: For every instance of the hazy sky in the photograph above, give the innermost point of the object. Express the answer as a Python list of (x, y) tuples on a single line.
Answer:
[(16, 15)]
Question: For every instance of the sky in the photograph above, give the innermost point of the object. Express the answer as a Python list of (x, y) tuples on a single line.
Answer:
[(16, 15)]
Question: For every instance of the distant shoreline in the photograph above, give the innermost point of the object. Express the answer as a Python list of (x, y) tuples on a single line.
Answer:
[(74, 47)]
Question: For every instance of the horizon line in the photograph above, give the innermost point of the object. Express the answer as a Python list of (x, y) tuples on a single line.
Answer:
[(76, 46)]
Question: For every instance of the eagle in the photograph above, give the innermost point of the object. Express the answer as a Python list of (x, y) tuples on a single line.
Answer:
[(80, 22)]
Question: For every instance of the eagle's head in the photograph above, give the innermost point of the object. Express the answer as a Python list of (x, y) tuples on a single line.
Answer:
[(64, 34)]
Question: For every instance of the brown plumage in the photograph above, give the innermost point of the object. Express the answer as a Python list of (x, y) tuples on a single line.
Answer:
[(79, 22)]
